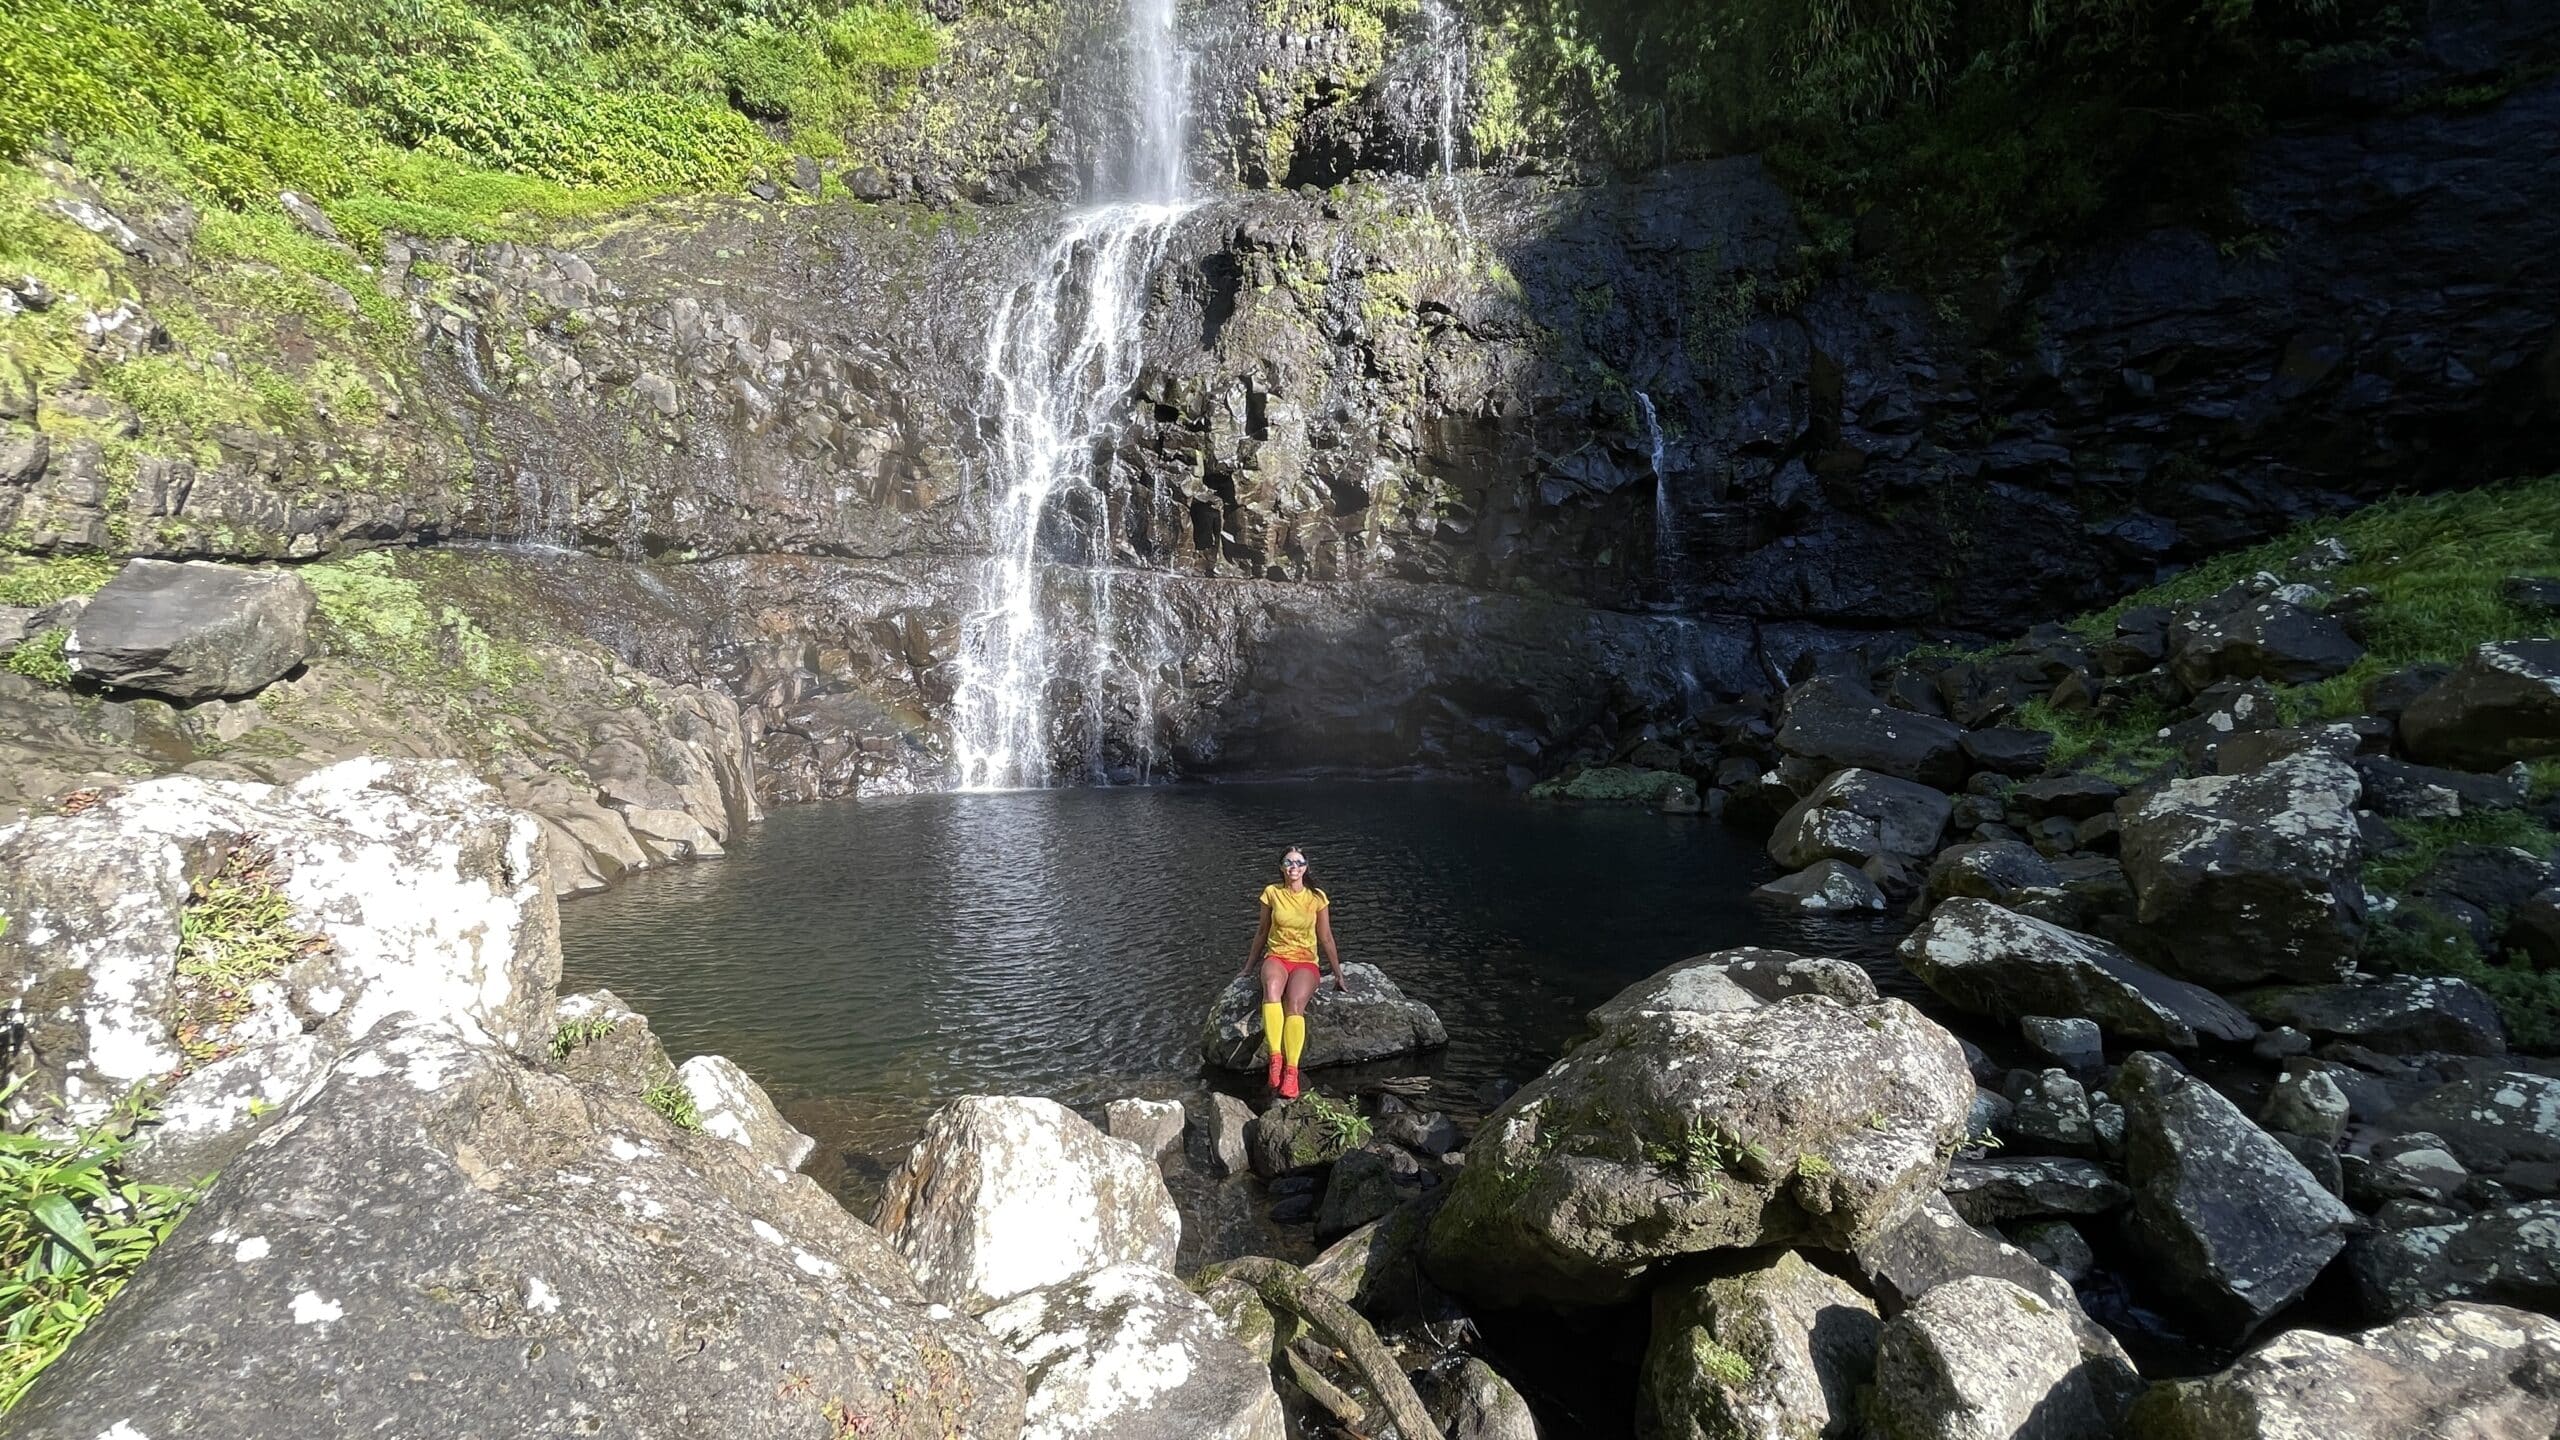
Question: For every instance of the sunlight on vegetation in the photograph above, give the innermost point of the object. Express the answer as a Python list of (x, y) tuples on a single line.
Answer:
[(236, 932), (672, 1101), (73, 1230)]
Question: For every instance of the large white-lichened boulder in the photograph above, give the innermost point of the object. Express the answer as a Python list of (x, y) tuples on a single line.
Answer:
[(2242, 878), (447, 1239), (361, 891), (1983, 1359), (1857, 815), (1677, 1132), (734, 1107), (1126, 1353), (2236, 1227), (1994, 961), (2456, 1370), (1375, 1020), (1773, 1353), (192, 631), (1008, 1193)]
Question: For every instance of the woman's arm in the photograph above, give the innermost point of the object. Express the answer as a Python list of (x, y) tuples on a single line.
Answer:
[(1324, 937), (1261, 933)]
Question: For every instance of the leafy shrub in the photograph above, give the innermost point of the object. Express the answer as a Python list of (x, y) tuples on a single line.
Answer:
[(73, 1230), (672, 1101), (40, 658), (575, 1033)]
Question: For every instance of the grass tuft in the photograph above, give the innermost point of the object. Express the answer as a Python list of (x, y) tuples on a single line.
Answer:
[(575, 1033), (236, 931), (671, 1100), (41, 658)]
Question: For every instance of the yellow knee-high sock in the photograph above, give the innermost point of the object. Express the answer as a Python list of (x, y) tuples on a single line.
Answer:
[(1293, 1041), (1271, 1024)]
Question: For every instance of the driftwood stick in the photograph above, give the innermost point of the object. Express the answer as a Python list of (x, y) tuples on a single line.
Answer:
[(1324, 1392), (1287, 1287)]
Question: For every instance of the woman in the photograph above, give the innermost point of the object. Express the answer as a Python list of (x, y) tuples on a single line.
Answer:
[(1296, 918)]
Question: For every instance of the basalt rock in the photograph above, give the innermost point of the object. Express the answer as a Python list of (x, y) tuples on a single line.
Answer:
[(1840, 725), (2499, 706), (2453, 1370), (1373, 1021), (444, 1230), (2239, 878), (1126, 1353), (1006, 1194), (2509, 1255), (1996, 962), (1745, 978), (2234, 1225), (192, 632), (404, 886), (1771, 1352), (1828, 887), (1857, 815), (1982, 1357), (2401, 1015), (1679, 1132)]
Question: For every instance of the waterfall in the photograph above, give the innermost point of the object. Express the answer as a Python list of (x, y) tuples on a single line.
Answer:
[(1449, 60), (1665, 537), (1063, 352)]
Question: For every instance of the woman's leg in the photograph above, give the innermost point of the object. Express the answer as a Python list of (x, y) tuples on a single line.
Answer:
[(1275, 979), (1302, 988)]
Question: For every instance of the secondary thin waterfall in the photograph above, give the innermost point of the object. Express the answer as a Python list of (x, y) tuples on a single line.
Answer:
[(1062, 353), (1665, 538)]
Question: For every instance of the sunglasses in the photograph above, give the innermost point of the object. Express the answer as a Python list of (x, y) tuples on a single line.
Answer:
[(1293, 864)]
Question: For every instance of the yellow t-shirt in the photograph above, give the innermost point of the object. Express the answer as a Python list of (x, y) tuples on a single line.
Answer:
[(1293, 920)]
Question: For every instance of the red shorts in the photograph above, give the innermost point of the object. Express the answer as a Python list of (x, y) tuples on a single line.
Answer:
[(1294, 965)]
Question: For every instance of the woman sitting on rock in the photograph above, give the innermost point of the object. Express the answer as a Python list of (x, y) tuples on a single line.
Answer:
[(1296, 918)]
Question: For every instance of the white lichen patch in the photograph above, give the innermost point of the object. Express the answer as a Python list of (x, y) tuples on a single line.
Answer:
[(253, 1248), (310, 1309)]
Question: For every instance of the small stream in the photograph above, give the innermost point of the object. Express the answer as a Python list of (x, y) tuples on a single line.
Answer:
[(870, 960)]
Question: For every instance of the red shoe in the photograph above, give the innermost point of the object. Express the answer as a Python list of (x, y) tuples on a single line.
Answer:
[(1289, 1083), (1273, 1081)]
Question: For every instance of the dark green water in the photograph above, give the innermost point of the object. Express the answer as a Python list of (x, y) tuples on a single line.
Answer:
[(868, 960)]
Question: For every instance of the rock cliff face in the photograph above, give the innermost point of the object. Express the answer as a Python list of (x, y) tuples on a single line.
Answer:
[(1410, 461)]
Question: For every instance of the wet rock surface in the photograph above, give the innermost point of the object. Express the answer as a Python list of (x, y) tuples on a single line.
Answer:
[(1373, 1020), (192, 632)]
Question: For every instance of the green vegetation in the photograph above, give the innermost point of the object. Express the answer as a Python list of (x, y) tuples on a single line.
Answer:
[(34, 583), (575, 1033), (2434, 569), (1724, 1365), (73, 1230), (1943, 130), (672, 1101), (449, 117), (1813, 1167), (236, 931), (40, 658), (386, 611)]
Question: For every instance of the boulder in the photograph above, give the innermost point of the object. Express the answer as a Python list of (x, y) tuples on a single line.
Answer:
[(1008, 1193), (2305, 1101), (1744, 978), (1996, 870), (602, 1040), (2269, 640), (1857, 815), (2075, 1044), (2022, 1187), (2049, 1111), (2469, 1371), (1623, 785), (363, 890), (1126, 1353), (444, 1237), (2007, 750), (2427, 792), (2415, 1165), (2057, 1245), (2489, 1122), (1933, 1245), (1837, 725), (1307, 1133), (2533, 929), (2242, 878), (2501, 705), (1367, 1182), (1424, 1132), (192, 631), (1774, 1352), (1154, 1126), (2236, 1227), (1996, 962), (2066, 797), (735, 1108), (1983, 1359), (1377, 1267), (1473, 1402), (1679, 1132), (2509, 1255), (2401, 1015), (1828, 887), (1213, 1131), (1375, 1020)]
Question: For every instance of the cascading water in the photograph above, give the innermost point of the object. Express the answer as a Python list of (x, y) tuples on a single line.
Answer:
[(1449, 61), (1665, 536), (1063, 351)]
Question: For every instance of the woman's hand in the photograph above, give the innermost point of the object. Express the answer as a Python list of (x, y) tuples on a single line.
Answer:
[(1341, 979)]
